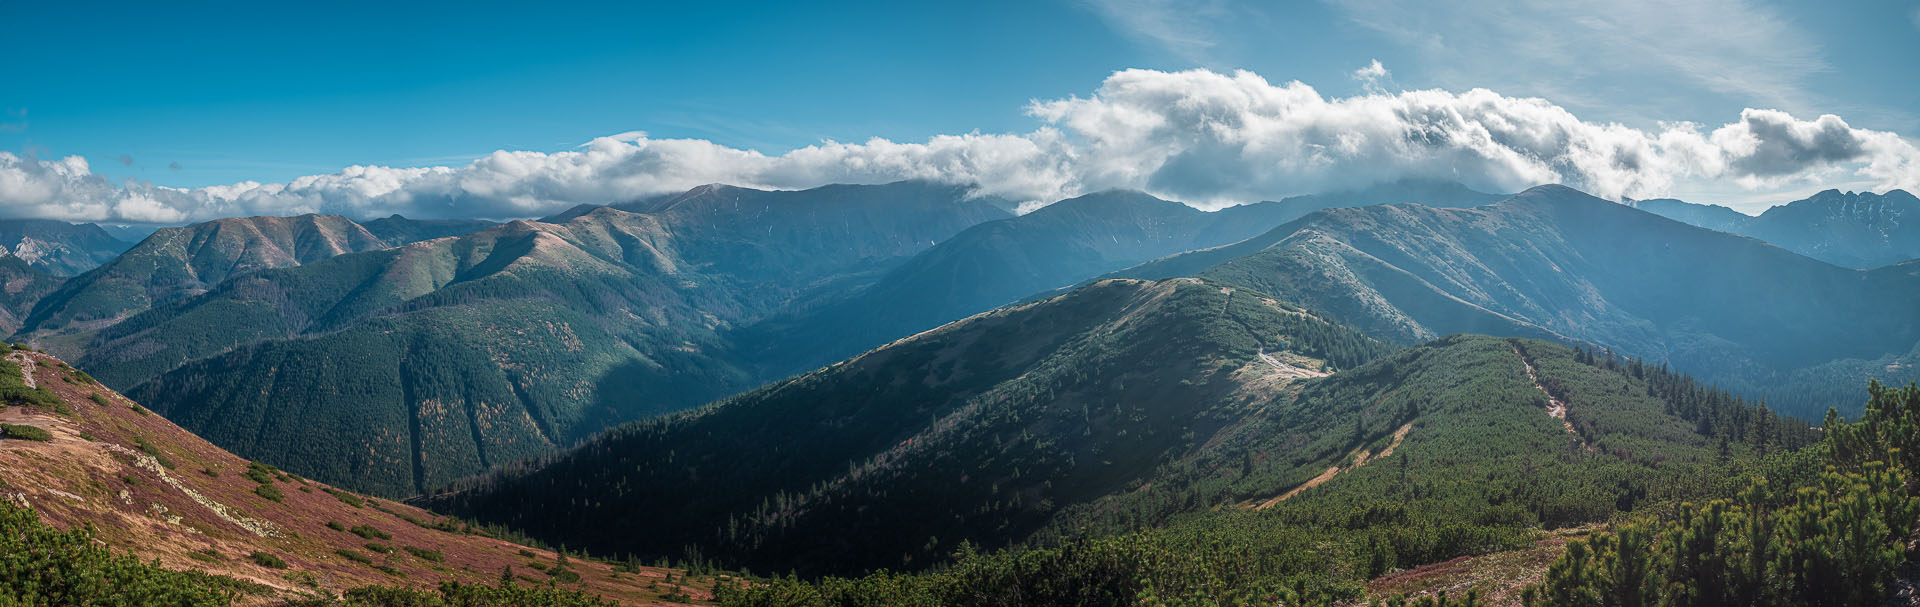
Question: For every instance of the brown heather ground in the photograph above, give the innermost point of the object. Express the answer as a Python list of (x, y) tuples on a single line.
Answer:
[(1500, 577), (93, 473)]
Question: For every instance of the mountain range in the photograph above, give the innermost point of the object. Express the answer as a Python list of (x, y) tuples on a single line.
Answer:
[(518, 339), (510, 341), (1113, 399), (1851, 229), (1555, 263)]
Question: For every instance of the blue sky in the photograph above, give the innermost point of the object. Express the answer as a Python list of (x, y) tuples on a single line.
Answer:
[(187, 96)]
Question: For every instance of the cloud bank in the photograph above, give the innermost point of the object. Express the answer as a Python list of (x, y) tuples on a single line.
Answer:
[(1200, 136)]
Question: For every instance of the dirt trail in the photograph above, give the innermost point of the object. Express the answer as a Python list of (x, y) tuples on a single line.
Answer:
[(1555, 407), (1287, 370), (1360, 458), (26, 366)]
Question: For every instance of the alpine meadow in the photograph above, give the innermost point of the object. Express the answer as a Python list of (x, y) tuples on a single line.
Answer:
[(1068, 303)]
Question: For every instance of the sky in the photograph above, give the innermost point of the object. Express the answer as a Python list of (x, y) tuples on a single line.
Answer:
[(149, 113)]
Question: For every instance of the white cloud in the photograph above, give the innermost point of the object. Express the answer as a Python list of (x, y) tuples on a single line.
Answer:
[(1371, 75), (1371, 72), (1201, 136)]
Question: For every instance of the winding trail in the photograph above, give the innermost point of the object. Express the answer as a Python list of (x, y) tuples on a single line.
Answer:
[(1556, 408), (1360, 458)]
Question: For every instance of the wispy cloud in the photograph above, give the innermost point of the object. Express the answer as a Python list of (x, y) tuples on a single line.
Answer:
[(13, 120), (1581, 53), (1189, 30)]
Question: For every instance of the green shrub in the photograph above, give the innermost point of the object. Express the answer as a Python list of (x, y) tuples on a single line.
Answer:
[(379, 547), (267, 560), (346, 498), (354, 556), (40, 565), (370, 533), (425, 554), (97, 399), (270, 492), (138, 409), (23, 432), (259, 473), (336, 526), (150, 449)]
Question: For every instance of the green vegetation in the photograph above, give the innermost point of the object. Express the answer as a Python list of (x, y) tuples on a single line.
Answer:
[(270, 492), (1835, 537), (150, 449), (454, 594), (25, 432), (369, 532), (268, 560), (1482, 469), (259, 473), (354, 556), (1159, 512), (425, 554), (98, 399), (379, 548), (346, 498), (14, 391), (40, 565), (995, 423)]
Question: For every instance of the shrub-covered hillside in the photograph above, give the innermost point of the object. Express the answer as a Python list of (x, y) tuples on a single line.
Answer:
[(979, 431), (1182, 414)]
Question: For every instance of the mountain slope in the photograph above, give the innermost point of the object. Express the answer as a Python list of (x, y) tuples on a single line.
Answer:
[(181, 262), (498, 345), (1555, 262), (396, 230), (1130, 407), (21, 286), (1054, 402), (58, 247), (1056, 246), (1855, 230), (149, 487)]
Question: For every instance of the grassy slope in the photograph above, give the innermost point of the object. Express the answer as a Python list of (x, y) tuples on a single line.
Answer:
[(104, 468)]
